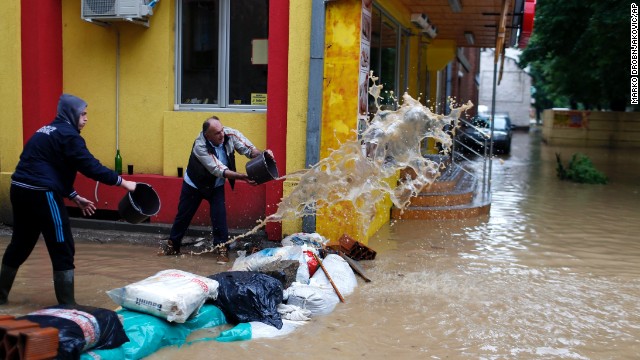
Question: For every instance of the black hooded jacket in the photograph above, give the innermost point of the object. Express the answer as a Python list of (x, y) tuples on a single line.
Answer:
[(56, 152)]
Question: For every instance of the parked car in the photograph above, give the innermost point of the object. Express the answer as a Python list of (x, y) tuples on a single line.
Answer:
[(475, 134)]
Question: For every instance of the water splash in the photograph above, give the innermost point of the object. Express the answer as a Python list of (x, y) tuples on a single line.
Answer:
[(358, 171)]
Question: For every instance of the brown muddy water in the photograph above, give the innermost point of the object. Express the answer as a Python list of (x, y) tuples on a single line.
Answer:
[(552, 273)]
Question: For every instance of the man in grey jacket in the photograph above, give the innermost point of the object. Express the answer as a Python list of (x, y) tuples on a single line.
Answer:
[(212, 160)]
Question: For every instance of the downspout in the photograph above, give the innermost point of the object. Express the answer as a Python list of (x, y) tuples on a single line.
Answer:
[(446, 109), (316, 83), (118, 158)]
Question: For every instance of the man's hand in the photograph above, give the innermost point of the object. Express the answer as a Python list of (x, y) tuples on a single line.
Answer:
[(270, 153), (88, 207), (129, 185), (250, 182)]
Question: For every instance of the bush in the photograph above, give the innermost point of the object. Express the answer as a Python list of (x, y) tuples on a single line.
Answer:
[(581, 170)]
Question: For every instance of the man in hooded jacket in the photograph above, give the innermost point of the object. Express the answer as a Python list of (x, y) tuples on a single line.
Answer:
[(43, 177)]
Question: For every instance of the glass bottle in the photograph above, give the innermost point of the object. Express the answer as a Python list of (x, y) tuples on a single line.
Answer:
[(118, 162)]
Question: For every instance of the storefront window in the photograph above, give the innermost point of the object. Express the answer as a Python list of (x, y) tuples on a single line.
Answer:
[(388, 57), (222, 53)]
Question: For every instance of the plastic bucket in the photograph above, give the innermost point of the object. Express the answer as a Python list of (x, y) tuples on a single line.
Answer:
[(262, 169), (139, 205)]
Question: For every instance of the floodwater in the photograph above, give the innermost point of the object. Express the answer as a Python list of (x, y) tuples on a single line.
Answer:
[(552, 273)]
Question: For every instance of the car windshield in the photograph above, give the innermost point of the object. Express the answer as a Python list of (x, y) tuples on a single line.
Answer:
[(501, 123), (483, 122)]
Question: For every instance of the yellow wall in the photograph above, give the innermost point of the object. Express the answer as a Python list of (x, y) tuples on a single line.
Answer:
[(339, 115), (11, 95), (298, 83), (342, 63), (612, 129), (148, 136), (297, 97)]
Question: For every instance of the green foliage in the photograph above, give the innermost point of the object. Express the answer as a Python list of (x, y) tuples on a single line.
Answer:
[(579, 51), (580, 170)]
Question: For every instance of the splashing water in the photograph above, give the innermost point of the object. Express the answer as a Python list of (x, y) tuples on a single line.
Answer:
[(358, 171)]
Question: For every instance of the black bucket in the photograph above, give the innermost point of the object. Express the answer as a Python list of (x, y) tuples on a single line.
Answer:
[(262, 169), (139, 205)]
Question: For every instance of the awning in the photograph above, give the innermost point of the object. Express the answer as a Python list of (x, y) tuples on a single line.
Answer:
[(527, 23)]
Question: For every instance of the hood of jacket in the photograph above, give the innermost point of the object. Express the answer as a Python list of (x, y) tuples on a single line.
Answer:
[(69, 109)]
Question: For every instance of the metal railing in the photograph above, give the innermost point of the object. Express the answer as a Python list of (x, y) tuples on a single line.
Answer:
[(473, 157)]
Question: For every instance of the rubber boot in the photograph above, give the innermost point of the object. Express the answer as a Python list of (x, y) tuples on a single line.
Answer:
[(63, 285), (7, 275)]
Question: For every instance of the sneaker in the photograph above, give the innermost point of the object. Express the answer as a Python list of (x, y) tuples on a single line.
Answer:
[(223, 256), (168, 249)]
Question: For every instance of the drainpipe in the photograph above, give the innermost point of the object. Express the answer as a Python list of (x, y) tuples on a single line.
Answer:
[(118, 158), (316, 82), (446, 109)]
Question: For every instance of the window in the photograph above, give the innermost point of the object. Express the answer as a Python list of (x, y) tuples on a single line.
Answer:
[(389, 60), (221, 54)]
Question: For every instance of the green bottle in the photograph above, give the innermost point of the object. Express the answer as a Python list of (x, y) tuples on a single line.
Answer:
[(118, 162)]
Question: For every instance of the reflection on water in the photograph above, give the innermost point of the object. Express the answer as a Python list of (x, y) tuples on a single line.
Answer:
[(552, 273)]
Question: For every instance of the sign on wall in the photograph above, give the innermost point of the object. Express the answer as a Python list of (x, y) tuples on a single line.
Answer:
[(363, 78)]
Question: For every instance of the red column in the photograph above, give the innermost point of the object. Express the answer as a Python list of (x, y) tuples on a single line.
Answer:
[(277, 104), (41, 33)]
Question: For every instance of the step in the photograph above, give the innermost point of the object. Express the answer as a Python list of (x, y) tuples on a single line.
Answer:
[(458, 202), (441, 212), (445, 182), (462, 193)]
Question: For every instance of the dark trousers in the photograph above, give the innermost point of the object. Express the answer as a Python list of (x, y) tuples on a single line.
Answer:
[(34, 213), (190, 200)]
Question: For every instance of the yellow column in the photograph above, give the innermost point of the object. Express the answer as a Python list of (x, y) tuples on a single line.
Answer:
[(439, 54), (11, 94)]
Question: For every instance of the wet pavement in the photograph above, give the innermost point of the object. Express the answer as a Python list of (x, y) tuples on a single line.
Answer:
[(552, 273)]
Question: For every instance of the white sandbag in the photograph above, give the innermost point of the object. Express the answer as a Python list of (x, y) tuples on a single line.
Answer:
[(262, 330), (343, 277), (292, 312), (173, 295), (313, 298), (256, 261)]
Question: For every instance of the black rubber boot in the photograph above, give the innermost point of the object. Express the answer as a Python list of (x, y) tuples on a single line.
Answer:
[(63, 285), (7, 275)]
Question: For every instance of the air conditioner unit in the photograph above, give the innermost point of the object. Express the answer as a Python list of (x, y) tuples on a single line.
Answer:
[(117, 10), (431, 32), (421, 21)]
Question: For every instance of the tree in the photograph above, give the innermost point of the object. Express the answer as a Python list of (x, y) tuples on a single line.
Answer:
[(579, 50)]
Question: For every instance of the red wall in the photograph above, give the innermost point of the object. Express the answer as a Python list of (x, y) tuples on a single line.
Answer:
[(277, 104), (245, 204), (41, 62)]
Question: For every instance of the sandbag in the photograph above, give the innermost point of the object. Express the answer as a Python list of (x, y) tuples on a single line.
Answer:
[(341, 273), (169, 294), (313, 298), (256, 261), (245, 296), (81, 328), (148, 333)]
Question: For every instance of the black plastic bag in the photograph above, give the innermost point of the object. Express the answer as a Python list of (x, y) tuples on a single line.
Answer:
[(245, 296), (81, 328)]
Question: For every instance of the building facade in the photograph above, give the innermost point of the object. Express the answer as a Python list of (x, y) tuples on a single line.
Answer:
[(291, 75)]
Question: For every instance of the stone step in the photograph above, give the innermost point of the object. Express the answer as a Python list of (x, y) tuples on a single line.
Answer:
[(452, 196), (441, 212), (461, 193)]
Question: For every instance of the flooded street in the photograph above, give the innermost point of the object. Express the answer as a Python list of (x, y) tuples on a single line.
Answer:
[(552, 273)]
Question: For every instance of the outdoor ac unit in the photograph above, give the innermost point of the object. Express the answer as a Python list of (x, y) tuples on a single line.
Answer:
[(431, 32), (117, 10)]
